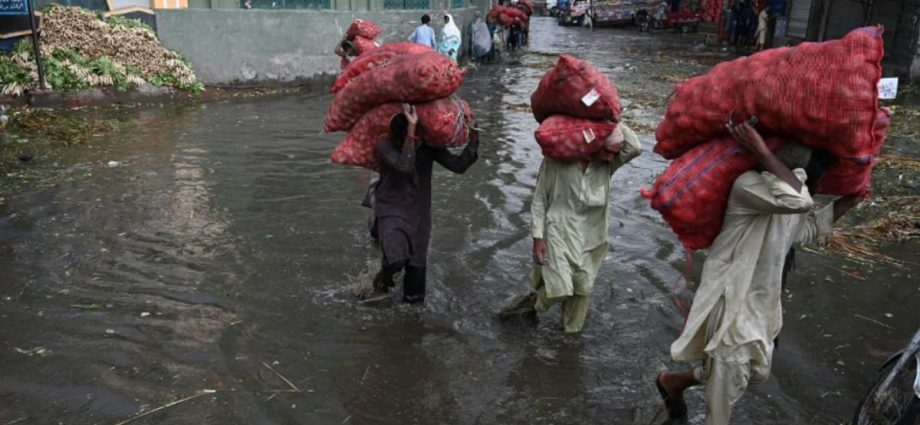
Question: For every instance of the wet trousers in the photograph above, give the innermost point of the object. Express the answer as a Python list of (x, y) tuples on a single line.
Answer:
[(413, 280), (561, 281), (574, 309), (726, 381)]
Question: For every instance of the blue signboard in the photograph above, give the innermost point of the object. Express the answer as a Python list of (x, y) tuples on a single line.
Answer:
[(14, 7)]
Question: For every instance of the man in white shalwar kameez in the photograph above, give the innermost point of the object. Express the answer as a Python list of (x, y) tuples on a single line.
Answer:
[(569, 229), (737, 313)]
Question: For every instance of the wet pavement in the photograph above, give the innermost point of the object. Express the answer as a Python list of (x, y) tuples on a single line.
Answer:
[(213, 247)]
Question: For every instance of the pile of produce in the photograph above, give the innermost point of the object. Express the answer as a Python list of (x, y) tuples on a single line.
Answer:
[(81, 51), (577, 107), (822, 94), (372, 89)]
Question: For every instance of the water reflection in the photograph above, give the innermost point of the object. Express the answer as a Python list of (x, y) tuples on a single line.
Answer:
[(225, 241)]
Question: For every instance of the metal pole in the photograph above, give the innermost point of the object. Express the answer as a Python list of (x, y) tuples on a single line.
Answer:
[(38, 53)]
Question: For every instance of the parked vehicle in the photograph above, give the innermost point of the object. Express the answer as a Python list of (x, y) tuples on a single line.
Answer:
[(683, 20), (894, 398), (607, 12), (574, 14), (622, 12), (557, 7)]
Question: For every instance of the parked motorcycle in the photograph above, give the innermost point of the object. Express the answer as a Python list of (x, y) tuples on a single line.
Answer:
[(894, 398), (643, 21)]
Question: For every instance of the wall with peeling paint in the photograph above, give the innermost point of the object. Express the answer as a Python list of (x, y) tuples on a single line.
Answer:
[(277, 46)]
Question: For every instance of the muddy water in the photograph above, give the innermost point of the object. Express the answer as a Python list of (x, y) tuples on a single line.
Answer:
[(223, 241)]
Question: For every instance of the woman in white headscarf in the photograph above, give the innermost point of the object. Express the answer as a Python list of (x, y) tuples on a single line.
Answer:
[(449, 43)]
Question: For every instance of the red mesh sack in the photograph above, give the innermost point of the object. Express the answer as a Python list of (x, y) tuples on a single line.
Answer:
[(495, 11), (364, 45), (851, 175), (506, 15), (409, 78), (526, 6), (570, 138), (353, 151), (517, 14), (693, 191), (575, 87), (378, 57), (442, 123), (363, 28), (358, 147), (824, 94)]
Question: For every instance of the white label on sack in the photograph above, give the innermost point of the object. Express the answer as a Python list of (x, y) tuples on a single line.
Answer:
[(888, 88), (589, 135), (591, 97)]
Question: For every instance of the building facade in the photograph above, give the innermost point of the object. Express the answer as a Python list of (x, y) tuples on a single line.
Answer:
[(820, 20)]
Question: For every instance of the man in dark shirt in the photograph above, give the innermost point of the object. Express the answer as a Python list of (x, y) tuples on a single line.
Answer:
[(402, 205)]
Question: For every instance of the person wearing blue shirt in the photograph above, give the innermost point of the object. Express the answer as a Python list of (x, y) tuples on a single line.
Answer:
[(423, 34)]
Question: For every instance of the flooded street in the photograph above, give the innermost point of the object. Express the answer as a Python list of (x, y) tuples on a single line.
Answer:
[(213, 247)]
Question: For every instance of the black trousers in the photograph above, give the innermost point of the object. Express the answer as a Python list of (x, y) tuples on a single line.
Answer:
[(413, 280)]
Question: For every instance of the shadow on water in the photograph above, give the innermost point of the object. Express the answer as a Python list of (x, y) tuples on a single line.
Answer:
[(219, 254)]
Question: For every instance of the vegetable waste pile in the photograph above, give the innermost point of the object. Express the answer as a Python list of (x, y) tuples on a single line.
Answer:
[(80, 50)]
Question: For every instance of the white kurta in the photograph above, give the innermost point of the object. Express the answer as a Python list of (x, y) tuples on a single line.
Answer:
[(764, 218), (569, 212), (762, 27)]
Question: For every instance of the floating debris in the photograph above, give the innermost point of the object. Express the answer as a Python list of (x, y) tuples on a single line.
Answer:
[(168, 405), (37, 351)]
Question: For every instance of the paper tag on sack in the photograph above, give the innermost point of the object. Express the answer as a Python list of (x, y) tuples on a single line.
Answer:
[(591, 97), (888, 88), (589, 135)]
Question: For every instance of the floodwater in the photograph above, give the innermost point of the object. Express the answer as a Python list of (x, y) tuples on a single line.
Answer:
[(221, 243)]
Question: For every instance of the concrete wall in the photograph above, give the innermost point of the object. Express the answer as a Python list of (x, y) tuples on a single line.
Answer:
[(265, 46)]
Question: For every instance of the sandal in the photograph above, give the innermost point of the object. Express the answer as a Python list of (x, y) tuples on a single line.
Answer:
[(522, 306), (677, 407)]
